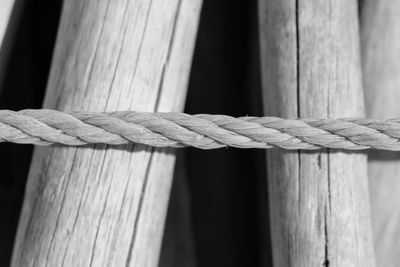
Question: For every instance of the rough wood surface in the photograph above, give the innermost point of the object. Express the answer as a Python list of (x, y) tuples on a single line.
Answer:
[(380, 46), (105, 206), (310, 67)]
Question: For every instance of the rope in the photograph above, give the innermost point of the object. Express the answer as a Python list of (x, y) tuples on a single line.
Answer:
[(45, 127)]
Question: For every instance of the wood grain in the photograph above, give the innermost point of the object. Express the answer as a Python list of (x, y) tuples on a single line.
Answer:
[(319, 205), (380, 46), (99, 205)]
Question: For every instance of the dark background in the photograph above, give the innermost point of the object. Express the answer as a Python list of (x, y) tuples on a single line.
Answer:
[(226, 187)]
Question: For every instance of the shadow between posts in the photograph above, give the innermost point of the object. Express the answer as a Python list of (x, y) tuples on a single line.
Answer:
[(227, 187)]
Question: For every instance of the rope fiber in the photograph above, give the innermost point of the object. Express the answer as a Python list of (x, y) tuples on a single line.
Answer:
[(45, 127)]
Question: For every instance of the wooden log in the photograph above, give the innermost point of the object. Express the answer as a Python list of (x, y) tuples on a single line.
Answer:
[(99, 205), (380, 46), (9, 13), (319, 202), (6, 9), (5, 14)]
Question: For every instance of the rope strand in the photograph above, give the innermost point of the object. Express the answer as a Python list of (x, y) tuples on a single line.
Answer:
[(45, 127)]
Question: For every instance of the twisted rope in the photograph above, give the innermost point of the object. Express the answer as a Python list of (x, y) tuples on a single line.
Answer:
[(44, 127)]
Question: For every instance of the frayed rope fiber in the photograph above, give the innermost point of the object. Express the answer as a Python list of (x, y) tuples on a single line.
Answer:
[(44, 127)]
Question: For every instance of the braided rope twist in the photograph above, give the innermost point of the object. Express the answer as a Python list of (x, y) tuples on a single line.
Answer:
[(44, 127)]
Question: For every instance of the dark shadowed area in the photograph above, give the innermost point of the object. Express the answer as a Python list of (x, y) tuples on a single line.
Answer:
[(227, 214), (23, 87)]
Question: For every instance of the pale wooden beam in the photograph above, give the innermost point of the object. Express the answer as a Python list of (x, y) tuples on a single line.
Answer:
[(99, 205), (319, 205), (5, 13), (6, 8), (9, 13), (380, 46)]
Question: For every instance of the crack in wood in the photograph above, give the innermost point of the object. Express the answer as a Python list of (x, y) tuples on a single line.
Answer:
[(326, 255), (140, 205)]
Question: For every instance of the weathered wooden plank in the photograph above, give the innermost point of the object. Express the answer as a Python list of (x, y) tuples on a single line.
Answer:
[(380, 46), (98, 205), (319, 202)]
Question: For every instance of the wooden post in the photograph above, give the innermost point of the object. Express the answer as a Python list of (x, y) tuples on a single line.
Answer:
[(310, 67), (100, 205), (5, 14), (380, 43), (6, 9), (9, 13)]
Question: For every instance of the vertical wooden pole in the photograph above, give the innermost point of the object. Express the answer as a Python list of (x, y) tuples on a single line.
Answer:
[(100, 205), (5, 14), (310, 67), (9, 11), (380, 43)]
